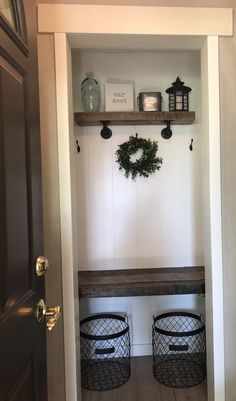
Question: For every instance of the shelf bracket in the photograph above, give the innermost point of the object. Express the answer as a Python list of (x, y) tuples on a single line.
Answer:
[(166, 133), (106, 132)]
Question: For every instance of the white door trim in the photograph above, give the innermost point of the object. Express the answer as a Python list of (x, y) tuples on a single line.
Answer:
[(65, 157), (213, 229), (212, 219), (104, 19)]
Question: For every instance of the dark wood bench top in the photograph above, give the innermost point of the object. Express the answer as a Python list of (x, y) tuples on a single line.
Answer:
[(141, 282)]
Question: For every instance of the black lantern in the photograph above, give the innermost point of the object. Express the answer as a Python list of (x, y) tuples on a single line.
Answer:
[(178, 96)]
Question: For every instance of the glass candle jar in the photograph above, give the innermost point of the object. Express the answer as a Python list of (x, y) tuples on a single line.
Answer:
[(91, 96)]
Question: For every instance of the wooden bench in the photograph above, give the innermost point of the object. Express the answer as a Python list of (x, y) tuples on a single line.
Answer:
[(141, 282)]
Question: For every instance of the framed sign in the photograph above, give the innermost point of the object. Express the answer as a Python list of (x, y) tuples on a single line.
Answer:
[(119, 97)]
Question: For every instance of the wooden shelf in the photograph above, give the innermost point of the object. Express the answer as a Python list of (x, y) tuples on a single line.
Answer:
[(135, 118), (138, 282)]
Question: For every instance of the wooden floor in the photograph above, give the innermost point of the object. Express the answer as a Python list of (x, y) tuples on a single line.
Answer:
[(143, 387)]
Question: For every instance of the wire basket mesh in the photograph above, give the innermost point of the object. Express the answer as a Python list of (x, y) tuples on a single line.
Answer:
[(179, 349), (105, 352)]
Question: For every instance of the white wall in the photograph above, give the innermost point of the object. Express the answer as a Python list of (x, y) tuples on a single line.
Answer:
[(154, 222)]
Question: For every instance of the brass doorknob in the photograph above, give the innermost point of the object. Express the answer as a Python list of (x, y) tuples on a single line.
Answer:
[(51, 314), (41, 266)]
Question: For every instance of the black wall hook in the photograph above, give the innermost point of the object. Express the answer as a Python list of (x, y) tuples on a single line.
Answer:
[(106, 132), (166, 133), (191, 145), (77, 146)]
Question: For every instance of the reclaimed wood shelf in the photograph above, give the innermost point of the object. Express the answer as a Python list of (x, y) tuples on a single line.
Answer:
[(141, 282), (135, 118)]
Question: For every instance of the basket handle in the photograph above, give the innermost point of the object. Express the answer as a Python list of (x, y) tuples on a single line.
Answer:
[(103, 351), (173, 347)]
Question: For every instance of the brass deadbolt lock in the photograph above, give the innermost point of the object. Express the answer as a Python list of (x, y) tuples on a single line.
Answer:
[(41, 266)]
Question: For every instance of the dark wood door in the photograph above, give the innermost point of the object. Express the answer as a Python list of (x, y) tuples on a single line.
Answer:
[(22, 338)]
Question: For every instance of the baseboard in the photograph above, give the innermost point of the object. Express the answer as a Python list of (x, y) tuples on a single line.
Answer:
[(141, 349)]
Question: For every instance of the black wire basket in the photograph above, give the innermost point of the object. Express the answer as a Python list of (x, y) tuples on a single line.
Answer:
[(179, 349), (105, 352)]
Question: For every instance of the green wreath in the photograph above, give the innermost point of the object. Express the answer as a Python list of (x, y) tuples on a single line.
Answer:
[(147, 164)]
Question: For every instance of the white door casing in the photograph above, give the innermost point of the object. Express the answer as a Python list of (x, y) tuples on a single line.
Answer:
[(220, 25)]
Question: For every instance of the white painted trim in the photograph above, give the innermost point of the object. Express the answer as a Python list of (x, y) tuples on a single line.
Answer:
[(212, 220), (141, 349), (72, 18), (65, 190), (219, 21), (51, 212), (216, 221)]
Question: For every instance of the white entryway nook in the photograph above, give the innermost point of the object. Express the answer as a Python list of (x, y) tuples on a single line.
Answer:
[(72, 39)]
